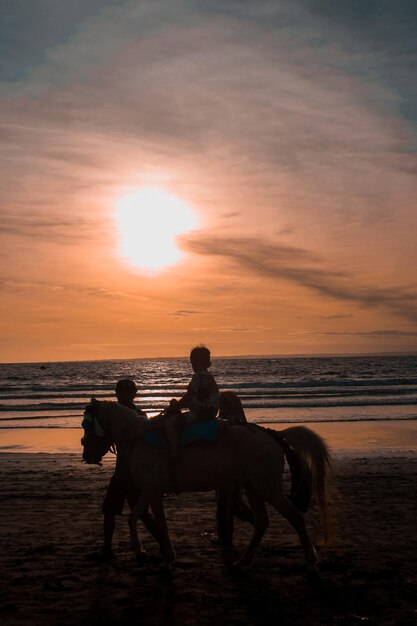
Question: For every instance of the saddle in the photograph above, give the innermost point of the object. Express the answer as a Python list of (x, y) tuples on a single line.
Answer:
[(205, 430)]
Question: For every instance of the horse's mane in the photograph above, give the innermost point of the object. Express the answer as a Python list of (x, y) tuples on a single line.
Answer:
[(124, 423)]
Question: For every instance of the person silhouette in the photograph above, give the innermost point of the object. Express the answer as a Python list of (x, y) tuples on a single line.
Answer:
[(201, 399), (121, 488)]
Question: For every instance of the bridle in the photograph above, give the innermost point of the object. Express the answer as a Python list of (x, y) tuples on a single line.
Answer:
[(95, 441)]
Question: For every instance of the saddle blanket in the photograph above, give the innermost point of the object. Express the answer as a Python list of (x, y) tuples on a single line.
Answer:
[(206, 430)]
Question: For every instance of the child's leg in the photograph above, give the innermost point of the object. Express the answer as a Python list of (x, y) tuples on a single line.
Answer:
[(170, 425)]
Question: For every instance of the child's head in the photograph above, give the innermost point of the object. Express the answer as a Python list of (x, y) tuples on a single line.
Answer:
[(200, 358), (126, 391)]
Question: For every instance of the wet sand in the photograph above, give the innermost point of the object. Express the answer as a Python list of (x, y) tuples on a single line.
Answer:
[(50, 524), (347, 436)]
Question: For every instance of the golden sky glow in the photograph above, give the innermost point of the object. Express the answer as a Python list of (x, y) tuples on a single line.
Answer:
[(237, 174)]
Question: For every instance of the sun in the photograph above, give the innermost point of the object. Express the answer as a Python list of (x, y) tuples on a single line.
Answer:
[(149, 221)]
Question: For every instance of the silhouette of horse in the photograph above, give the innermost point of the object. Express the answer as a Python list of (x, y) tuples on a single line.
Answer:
[(250, 455)]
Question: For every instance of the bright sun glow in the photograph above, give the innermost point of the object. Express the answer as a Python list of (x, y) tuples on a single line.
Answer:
[(149, 221)]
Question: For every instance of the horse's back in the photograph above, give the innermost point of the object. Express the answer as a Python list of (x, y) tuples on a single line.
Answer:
[(255, 443), (240, 455)]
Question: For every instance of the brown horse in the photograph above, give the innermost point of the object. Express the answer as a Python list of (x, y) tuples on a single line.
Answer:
[(249, 455)]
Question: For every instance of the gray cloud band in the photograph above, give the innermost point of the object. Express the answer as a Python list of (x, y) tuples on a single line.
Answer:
[(303, 268)]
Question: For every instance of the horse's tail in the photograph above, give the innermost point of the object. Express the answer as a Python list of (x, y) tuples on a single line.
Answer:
[(316, 457), (301, 475)]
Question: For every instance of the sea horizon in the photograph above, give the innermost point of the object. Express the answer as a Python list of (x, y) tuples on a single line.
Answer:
[(304, 355)]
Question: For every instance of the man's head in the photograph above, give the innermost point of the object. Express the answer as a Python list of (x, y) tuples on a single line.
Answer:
[(126, 391), (200, 358)]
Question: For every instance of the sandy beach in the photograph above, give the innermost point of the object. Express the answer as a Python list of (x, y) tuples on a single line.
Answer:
[(51, 523)]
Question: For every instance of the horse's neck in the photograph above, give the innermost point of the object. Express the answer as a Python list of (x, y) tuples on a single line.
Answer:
[(123, 428)]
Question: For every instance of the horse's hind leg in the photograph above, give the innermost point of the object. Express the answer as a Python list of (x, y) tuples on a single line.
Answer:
[(296, 519), (260, 524), (150, 525)]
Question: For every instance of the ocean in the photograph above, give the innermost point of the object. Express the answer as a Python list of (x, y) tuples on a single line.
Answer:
[(272, 390)]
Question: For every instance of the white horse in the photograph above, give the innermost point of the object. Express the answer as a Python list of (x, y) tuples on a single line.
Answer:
[(249, 455)]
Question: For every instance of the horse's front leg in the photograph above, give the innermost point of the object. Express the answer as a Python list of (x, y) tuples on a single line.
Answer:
[(139, 510), (167, 550), (260, 524)]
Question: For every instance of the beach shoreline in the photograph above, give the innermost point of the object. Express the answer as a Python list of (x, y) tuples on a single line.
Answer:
[(395, 435)]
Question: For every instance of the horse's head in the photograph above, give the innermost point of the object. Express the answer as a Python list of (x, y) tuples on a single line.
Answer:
[(95, 442)]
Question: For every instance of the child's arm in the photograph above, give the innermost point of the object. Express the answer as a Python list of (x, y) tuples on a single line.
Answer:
[(184, 402)]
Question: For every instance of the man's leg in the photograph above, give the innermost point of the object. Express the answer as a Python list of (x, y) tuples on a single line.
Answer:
[(112, 505)]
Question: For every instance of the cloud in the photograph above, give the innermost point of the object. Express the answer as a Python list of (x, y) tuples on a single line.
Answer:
[(26, 34), (340, 316), (233, 329), (184, 313), (373, 333), (51, 228), (378, 40), (234, 89), (305, 269), (23, 287)]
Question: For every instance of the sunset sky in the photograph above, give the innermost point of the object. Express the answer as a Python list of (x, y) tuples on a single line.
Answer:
[(273, 143)]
